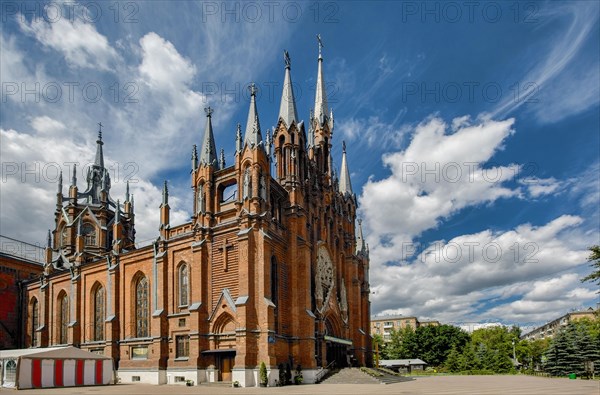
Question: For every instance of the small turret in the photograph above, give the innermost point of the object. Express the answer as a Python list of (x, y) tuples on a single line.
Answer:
[(208, 151), (360, 241), (164, 212), (345, 184), (194, 158), (253, 136), (238, 139), (222, 159)]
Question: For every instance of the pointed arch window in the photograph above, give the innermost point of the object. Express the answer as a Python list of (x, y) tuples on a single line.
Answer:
[(141, 307), (89, 234), (200, 201), (98, 299), (63, 319), (34, 321), (183, 285)]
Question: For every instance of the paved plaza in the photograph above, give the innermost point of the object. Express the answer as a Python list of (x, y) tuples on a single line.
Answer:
[(464, 385)]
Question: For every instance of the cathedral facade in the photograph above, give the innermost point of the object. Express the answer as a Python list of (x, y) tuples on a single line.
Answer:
[(272, 267)]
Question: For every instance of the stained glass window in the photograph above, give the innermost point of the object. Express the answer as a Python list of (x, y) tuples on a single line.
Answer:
[(34, 322), (64, 320), (141, 307), (99, 313), (183, 285)]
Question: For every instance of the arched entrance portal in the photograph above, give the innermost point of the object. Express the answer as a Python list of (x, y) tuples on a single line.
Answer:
[(337, 347), (224, 347)]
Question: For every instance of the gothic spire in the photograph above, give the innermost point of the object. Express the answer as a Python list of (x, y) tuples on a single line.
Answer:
[(60, 186), (99, 161), (311, 132), (287, 108), (165, 194), (127, 192), (79, 225), (238, 139), (194, 158), (74, 179), (49, 239), (208, 151), (222, 159), (253, 136), (321, 111), (360, 240), (268, 143), (345, 184), (118, 212)]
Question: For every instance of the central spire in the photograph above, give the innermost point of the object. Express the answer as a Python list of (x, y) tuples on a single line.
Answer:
[(287, 109), (208, 151), (99, 161), (253, 136), (321, 110)]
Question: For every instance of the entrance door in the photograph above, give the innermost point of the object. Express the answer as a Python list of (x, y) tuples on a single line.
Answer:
[(338, 353), (225, 367)]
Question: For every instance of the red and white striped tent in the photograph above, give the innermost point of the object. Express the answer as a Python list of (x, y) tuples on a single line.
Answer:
[(54, 367)]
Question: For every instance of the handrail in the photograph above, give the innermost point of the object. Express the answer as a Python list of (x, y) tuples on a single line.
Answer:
[(323, 371)]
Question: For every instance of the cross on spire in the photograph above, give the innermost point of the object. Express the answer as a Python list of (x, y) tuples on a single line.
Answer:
[(100, 130), (253, 89), (208, 110)]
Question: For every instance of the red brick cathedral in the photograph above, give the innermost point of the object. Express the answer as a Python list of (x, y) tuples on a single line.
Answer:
[(271, 268)]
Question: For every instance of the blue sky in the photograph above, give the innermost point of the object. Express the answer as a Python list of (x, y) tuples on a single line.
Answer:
[(472, 130)]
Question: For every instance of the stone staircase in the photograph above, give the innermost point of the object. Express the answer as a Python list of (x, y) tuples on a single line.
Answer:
[(356, 376), (350, 376)]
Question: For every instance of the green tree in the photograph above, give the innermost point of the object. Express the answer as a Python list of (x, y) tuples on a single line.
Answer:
[(563, 357), (595, 259), (379, 345), (535, 350), (434, 343), (468, 360), (451, 363), (501, 363), (494, 347)]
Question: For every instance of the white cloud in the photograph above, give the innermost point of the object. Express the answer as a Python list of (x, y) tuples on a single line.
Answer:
[(451, 280), (437, 175), (162, 66), (537, 187), (556, 94), (547, 299), (78, 41)]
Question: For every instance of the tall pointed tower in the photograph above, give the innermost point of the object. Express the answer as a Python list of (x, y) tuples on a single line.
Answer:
[(290, 140), (321, 123), (203, 175), (94, 212), (253, 163)]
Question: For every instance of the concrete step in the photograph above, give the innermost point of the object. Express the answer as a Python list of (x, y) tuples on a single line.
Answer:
[(351, 376)]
